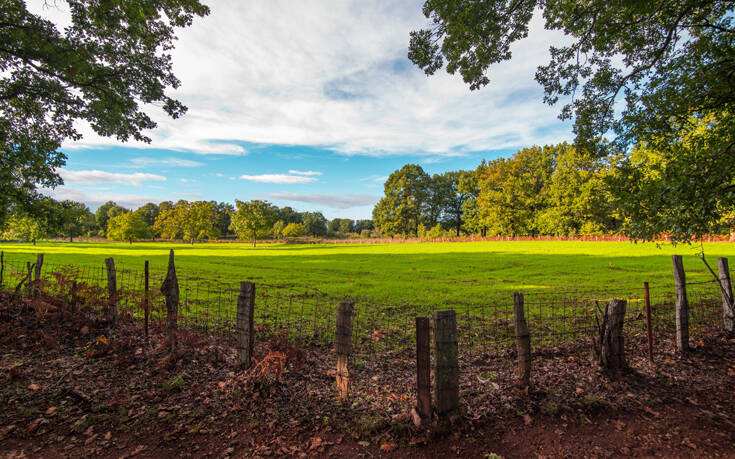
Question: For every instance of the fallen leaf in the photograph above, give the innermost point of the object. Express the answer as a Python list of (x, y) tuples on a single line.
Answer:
[(387, 447), (33, 387), (51, 410), (364, 443), (417, 441), (108, 435)]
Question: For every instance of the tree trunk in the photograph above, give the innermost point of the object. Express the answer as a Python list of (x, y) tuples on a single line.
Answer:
[(71, 239)]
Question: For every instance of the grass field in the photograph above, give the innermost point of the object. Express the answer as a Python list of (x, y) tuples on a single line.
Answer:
[(425, 273)]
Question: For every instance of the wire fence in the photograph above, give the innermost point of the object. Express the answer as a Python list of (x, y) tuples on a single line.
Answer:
[(555, 318)]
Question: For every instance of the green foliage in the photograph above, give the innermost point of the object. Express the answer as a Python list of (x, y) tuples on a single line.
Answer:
[(190, 221), (401, 210), (74, 220), (278, 228), (108, 61), (25, 228), (252, 219), (687, 191), (294, 230), (148, 212), (315, 224), (129, 226)]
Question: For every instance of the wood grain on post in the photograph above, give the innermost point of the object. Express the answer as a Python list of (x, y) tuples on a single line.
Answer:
[(523, 341), (245, 324), (170, 291), (682, 305), (2, 267), (422, 414), (446, 364), (728, 306), (612, 354), (37, 269), (112, 290), (146, 299), (343, 346), (29, 277)]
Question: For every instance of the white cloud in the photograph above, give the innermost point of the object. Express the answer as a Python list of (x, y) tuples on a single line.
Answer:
[(94, 200), (307, 173), (96, 176), (190, 195), (278, 178), (174, 162), (335, 74), (338, 201), (186, 180)]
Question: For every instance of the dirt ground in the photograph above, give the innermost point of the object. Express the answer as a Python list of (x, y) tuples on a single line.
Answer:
[(69, 388)]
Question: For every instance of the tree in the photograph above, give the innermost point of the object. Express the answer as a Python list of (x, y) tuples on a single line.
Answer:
[(128, 226), (645, 72), (222, 211), (148, 212), (656, 189), (346, 226), (190, 221), (278, 228), (315, 224), (252, 219), (75, 219), (26, 228), (289, 215), (401, 210), (294, 230), (112, 58)]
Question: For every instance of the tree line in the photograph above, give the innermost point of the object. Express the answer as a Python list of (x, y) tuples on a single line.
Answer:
[(556, 190), (189, 221)]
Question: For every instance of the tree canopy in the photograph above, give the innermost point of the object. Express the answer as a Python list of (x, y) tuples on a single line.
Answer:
[(646, 72), (112, 58), (252, 219)]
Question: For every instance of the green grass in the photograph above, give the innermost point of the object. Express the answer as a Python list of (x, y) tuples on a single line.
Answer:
[(426, 273)]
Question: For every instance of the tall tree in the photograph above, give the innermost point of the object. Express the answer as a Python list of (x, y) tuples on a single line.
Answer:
[(128, 226), (315, 224), (644, 72), (252, 219), (75, 219), (113, 57), (401, 210), (148, 212)]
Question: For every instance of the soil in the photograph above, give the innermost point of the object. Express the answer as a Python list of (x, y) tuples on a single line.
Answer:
[(69, 388)]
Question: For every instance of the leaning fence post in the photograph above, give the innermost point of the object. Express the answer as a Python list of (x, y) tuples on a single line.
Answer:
[(523, 341), (343, 346), (112, 290), (146, 299), (2, 267), (245, 324), (29, 286), (170, 290), (728, 307), (612, 354), (446, 366), (422, 412), (682, 305)]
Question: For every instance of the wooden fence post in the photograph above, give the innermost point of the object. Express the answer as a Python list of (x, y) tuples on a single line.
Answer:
[(446, 364), (2, 267), (37, 269), (612, 352), (523, 341), (112, 290), (682, 305), (245, 324), (649, 331), (422, 412), (343, 346), (728, 306), (146, 299), (170, 290)]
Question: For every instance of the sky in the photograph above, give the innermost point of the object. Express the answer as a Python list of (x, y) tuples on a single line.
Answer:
[(311, 104)]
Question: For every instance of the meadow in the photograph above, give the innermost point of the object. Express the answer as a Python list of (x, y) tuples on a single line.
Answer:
[(417, 273)]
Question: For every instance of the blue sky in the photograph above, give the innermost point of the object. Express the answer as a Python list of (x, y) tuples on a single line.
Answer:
[(311, 104)]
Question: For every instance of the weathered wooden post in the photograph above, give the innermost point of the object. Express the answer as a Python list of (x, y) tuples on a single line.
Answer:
[(446, 364), (170, 290), (523, 341), (245, 324), (146, 299), (612, 352), (2, 267), (649, 331), (728, 306), (37, 269), (343, 346), (112, 291), (682, 305), (422, 412)]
